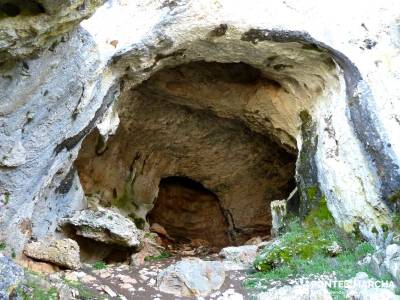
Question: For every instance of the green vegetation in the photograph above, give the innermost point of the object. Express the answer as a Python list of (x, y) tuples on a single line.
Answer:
[(139, 222), (35, 287), (395, 197), (99, 265), (162, 255), (2, 246), (302, 251), (36, 292), (84, 292), (312, 192)]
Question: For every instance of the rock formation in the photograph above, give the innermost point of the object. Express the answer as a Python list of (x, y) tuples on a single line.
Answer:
[(247, 99)]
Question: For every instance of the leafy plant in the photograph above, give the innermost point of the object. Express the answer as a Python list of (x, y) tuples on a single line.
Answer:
[(99, 265), (2, 246)]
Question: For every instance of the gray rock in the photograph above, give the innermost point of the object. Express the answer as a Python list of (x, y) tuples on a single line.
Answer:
[(10, 275), (52, 19), (309, 291), (239, 258), (376, 262), (64, 252), (191, 277), (362, 288), (105, 225), (278, 213), (392, 261), (334, 249)]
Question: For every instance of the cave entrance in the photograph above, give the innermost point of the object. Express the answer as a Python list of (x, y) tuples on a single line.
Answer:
[(188, 211), (226, 125)]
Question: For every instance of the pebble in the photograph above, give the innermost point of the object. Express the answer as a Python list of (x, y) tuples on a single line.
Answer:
[(126, 286), (109, 291)]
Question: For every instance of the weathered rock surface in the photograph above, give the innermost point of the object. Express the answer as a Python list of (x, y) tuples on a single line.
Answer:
[(326, 91), (310, 291), (28, 27), (63, 252), (392, 261), (10, 275), (105, 226), (149, 246), (362, 288), (191, 277), (239, 258)]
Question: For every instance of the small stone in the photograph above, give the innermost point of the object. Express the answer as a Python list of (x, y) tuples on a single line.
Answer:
[(88, 279), (71, 276), (126, 279), (334, 249), (126, 286), (109, 291), (152, 282)]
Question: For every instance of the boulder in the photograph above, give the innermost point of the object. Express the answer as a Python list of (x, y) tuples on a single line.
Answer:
[(191, 277), (10, 275), (239, 258), (363, 288), (309, 291), (106, 226), (64, 252), (392, 261)]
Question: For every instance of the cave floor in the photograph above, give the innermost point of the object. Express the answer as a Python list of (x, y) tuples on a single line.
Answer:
[(132, 282)]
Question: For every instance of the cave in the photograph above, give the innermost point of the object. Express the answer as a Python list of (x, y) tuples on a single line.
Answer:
[(20, 7), (188, 211), (191, 155)]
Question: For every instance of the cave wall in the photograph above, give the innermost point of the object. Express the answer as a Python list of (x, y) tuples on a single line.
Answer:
[(349, 147), (158, 138)]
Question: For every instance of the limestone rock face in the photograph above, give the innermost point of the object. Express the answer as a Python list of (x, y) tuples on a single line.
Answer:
[(10, 275), (191, 277), (64, 252), (105, 226), (238, 96), (27, 28)]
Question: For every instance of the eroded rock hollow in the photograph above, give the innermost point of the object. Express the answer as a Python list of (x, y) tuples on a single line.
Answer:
[(190, 121)]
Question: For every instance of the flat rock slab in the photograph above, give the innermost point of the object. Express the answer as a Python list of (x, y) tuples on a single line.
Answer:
[(10, 275), (64, 252), (105, 226), (191, 277)]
